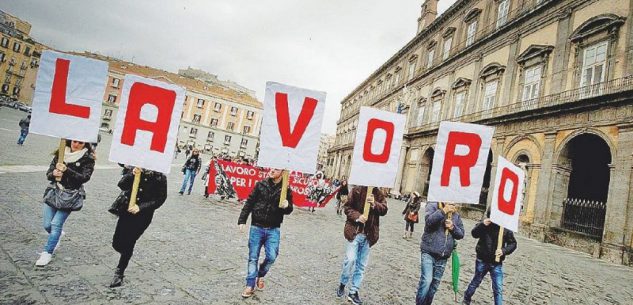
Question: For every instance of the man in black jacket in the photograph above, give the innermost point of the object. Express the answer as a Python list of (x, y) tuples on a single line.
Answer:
[(266, 218), (488, 234)]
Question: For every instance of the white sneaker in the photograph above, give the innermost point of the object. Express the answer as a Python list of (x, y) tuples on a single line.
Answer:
[(59, 242), (44, 259)]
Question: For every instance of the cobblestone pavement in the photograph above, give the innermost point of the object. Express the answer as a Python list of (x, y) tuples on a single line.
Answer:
[(192, 253)]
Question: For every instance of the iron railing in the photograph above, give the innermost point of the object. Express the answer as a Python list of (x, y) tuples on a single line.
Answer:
[(584, 216)]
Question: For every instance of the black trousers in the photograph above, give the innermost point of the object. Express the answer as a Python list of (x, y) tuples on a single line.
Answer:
[(408, 224), (129, 229)]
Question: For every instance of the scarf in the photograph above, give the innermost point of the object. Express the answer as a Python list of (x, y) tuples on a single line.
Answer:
[(70, 157)]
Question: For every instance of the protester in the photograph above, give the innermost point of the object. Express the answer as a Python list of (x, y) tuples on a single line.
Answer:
[(176, 151), (24, 129), (341, 197), (65, 195), (191, 168), (436, 246), (488, 235), (361, 233), (95, 144), (134, 220), (187, 152), (266, 218), (410, 213)]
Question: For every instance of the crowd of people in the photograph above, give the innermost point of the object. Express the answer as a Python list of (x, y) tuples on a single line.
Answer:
[(442, 228)]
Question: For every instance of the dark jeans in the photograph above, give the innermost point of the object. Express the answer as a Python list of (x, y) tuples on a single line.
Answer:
[(496, 275), (432, 270), (409, 224), (23, 134)]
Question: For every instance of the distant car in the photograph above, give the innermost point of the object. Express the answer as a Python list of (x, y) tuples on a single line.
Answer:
[(23, 107)]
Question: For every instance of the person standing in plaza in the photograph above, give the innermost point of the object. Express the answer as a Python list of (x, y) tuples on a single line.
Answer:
[(191, 168), (67, 179), (24, 129), (134, 220), (361, 233), (267, 214), (488, 234), (442, 228), (411, 214), (341, 197)]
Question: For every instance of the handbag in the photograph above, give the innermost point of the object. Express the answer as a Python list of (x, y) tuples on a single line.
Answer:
[(120, 204), (413, 216), (64, 199)]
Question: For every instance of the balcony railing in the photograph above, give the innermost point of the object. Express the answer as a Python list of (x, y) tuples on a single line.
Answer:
[(563, 98)]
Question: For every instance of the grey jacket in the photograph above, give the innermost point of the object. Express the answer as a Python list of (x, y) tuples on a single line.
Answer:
[(434, 240)]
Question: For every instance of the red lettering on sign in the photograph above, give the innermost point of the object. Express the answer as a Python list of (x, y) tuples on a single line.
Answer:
[(291, 137), (372, 126), (142, 94), (58, 93), (464, 163), (508, 206)]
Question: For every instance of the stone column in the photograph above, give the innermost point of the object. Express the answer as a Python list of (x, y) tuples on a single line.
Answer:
[(561, 53), (543, 190), (403, 156)]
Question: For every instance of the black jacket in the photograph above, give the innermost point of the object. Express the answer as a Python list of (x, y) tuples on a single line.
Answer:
[(76, 174), (193, 163), (152, 189), (344, 191), (263, 205), (488, 238)]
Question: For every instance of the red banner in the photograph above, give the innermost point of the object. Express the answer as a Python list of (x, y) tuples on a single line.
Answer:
[(231, 180)]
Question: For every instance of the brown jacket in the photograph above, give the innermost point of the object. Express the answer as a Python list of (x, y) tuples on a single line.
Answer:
[(354, 209)]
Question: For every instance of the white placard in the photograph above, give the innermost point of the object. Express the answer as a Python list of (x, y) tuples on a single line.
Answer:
[(291, 128), (68, 95), (147, 123), (507, 197), (459, 163), (377, 149)]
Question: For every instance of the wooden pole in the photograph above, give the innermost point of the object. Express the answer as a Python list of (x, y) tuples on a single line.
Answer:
[(284, 186), (60, 155), (370, 192), (137, 181), (499, 244)]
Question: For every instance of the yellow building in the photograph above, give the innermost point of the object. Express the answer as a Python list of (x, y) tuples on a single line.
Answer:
[(555, 78)]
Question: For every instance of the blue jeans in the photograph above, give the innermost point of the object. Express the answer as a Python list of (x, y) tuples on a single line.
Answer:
[(496, 275), (432, 270), (53, 223), (190, 176), (356, 257), (269, 239), (23, 134)]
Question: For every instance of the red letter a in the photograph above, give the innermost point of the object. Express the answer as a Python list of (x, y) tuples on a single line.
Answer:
[(291, 138), (140, 95), (372, 126), (58, 93), (508, 207), (464, 163)]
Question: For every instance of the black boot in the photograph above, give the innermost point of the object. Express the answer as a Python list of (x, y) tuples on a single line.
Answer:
[(117, 280)]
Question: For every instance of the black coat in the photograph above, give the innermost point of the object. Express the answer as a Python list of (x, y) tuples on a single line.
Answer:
[(488, 238), (412, 206), (263, 205), (76, 174), (152, 189), (343, 191), (193, 163)]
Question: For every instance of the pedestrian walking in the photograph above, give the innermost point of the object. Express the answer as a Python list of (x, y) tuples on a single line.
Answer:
[(410, 213), (442, 227), (24, 129), (134, 220), (267, 214), (65, 193), (341, 197), (95, 144), (191, 168), (488, 234), (361, 233)]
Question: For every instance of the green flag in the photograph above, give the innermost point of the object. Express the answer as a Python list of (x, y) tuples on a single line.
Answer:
[(455, 267)]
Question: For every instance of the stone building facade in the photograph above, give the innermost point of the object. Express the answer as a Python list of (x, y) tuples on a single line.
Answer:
[(215, 119), (555, 78)]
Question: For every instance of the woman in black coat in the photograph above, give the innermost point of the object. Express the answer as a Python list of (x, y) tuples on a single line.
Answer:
[(152, 193), (411, 214), (75, 170), (341, 197)]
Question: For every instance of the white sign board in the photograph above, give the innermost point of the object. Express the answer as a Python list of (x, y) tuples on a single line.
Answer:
[(291, 128), (377, 149), (508, 195), (459, 162), (68, 94), (147, 124)]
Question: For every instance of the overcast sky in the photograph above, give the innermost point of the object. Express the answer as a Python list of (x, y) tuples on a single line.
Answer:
[(326, 45)]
